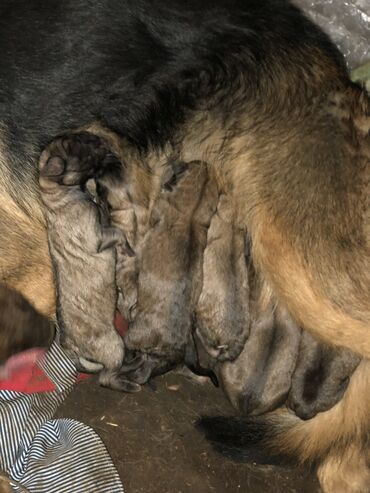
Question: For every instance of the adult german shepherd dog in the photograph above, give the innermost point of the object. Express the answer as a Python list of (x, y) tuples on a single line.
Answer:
[(261, 94)]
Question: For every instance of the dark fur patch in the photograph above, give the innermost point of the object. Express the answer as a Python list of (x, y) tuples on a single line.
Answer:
[(242, 439), (144, 64), (21, 325)]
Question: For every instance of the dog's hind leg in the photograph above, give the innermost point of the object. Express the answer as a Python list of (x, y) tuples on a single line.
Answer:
[(24, 256)]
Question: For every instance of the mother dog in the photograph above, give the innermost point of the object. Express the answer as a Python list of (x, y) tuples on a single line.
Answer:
[(251, 87)]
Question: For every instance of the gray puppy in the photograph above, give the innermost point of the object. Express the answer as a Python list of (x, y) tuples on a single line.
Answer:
[(259, 379), (168, 257), (222, 310), (116, 187), (81, 244)]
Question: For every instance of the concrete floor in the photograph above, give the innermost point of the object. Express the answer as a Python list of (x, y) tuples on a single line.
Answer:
[(156, 448)]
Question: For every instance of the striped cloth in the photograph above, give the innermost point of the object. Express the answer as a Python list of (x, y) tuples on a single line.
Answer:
[(52, 456)]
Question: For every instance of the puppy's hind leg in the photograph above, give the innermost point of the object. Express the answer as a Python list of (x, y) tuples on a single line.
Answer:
[(191, 360), (117, 380), (112, 370)]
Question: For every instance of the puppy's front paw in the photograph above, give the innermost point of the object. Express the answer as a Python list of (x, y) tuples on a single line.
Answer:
[(72, 159), (117, 380)]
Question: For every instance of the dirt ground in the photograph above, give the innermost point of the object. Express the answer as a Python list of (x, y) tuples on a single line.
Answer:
[(156, 448)]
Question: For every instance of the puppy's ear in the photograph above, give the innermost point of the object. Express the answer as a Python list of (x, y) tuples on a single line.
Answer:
[(173, 174), (191, 360)]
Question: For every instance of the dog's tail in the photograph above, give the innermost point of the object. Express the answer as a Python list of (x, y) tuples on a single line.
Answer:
[(336, 440), (244, 439)]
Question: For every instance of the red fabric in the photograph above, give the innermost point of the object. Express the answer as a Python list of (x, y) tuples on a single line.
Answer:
[(21, 373), (121, 324)]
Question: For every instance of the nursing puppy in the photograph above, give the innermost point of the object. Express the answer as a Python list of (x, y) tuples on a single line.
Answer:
[(259, 379), (81, 244), (116, 186), (169, 256), (222, 310), (163, 216), (279, 364)]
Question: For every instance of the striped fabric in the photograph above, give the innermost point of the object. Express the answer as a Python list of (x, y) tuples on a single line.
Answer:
[(52, 456)]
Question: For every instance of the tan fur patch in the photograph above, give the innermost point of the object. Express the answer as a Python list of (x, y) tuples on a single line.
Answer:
[(346, 472), (295, 288), (24, 257)]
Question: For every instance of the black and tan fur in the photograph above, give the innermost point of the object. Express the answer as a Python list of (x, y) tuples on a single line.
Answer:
[(258, 92)]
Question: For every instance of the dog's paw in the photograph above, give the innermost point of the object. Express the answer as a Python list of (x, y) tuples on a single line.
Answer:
[(147, 367)]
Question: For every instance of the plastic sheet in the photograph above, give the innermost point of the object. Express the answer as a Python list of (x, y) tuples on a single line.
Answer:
[(347, 22)]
